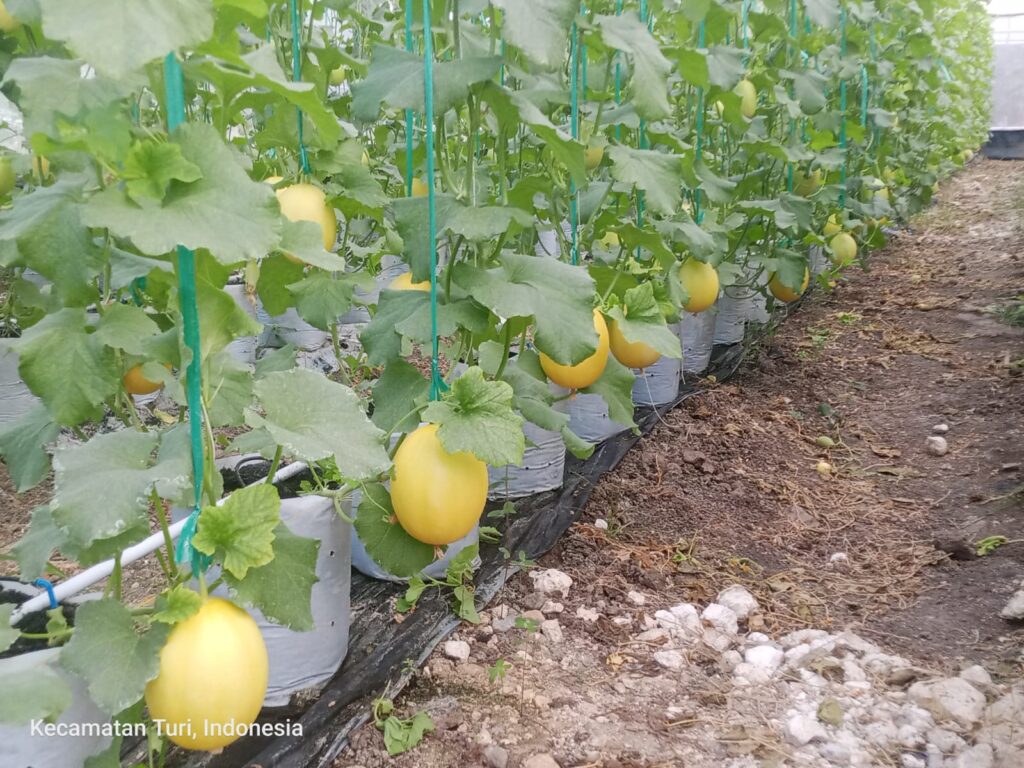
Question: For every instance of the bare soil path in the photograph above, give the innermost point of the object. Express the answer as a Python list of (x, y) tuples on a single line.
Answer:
[(726, 491)]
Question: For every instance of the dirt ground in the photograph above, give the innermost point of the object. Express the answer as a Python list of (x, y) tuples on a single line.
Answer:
[(727, 491)]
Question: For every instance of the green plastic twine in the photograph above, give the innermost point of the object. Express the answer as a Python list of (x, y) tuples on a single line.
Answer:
[(792, 123), (437, 385), (643, 144), (698, 213), (410, 117), (842, 109), (574, 129), (293, 7), (618, 77), (174, 84)]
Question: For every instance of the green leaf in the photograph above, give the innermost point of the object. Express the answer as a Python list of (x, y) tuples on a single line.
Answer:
[(485, 222), (32, 210), (395, 78), (36, 546), (407, 313), (276, 274), (101, 488), (8, 634), (693, 66), (403, 735), (395, 396), (33, 693), (229, 383), (809, 88), (23, 446), (717, 189), (126, 327), (385, 540), (282, 588), (321, 297), (640, 320), (240, 531), (616, 388), (725, 66), (226, 212), (275, 360), (175, 605), (658, 174), (151, 166), (114, 657), (305, 241), (476, 416), (824, 13), (221, 320), (648, 85), (557, 295), (539, 28), (57, 345), (314, 418), (97, 32)]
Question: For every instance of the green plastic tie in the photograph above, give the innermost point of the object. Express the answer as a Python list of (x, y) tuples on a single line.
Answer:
[(792, 123), (410, 116), (174, 84), (293, 6), (437, 385), (842, 109), (698, 211), (618, 77), (642, 140)]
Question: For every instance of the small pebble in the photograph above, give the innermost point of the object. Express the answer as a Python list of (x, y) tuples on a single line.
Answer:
[(936, 446)]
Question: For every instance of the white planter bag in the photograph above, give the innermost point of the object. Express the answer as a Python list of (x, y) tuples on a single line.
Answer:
[(301, 661), (589, 418), (366, 565), (759, 302), (817, 260), (734, 308), (20, 748), (15, 397), (543, 464), (697, 335), (243, 349), (659, 383), (391, 266), (548, 244)]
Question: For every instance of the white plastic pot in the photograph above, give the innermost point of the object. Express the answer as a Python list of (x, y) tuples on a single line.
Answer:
[(758, 311), (697, 334), (543, 466), (20, 747), (548, 244), (659, 383), (589, 418), (15, 397), (734, 307), (817, 260), (366, 565), (243, 348)]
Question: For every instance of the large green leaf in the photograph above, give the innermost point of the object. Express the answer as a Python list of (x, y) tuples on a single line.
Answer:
[(71, 370), (648, 76), (35, 693), (240, 532), (34, 549), (221, 320), (725, 66), (395, 78), (8, 634), (658, 174), (385, 540), (321, 297), (114, 656), (557, 295), (126, 327), (476, 416), (101, 488), (640, 320), (225, 211), (151, 166), (396, 395), (23, 445), (98, 31), (229, 384), (616, 388), (824, 13), (314, 418), (539, 28), (281, 589)]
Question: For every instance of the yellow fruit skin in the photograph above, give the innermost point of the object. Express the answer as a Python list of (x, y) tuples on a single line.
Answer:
[(784, 293), (592, 157), (832, 227), (844, 248), (610, 240), (419, 188), (437, 496), (588, 371), (748, 98), (213, 670), (304, 202), (631, 354), (7, 22), (338, 75), (701, 283), (137, 384), (404, 283), (805, 186)]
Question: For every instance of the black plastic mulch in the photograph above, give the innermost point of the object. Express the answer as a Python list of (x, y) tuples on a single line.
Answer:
[(383, 653)]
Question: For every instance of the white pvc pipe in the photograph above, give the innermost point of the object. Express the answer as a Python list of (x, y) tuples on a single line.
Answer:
[(100, 571)]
